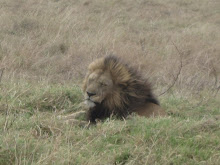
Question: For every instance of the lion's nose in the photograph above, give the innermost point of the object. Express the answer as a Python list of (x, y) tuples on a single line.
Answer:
[(90, 94)]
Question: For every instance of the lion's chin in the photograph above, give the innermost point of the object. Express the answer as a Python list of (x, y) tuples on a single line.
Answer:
[(89, 104)]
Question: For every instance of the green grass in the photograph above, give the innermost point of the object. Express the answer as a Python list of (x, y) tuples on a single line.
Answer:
[(31, 134)]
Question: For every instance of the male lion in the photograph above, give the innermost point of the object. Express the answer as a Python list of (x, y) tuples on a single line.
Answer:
[(112, 88)]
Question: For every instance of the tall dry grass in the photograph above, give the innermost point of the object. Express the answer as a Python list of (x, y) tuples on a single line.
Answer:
[(45, 48), (54, 41)]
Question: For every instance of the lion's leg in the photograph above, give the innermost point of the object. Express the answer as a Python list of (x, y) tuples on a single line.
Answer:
[(72, 119), (72, 116)]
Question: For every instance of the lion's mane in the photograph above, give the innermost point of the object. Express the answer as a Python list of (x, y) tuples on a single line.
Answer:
[(131, 90)]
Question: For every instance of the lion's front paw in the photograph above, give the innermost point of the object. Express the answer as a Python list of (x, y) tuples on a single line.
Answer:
[(71, 116), (72, 119)]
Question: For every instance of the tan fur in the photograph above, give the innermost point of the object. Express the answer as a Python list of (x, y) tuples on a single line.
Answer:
[(151, 110)]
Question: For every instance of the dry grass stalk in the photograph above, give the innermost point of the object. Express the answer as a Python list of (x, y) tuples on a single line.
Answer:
[(1, 73), (178, 73)]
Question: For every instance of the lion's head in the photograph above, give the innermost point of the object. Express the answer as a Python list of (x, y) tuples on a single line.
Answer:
[(98, 87)]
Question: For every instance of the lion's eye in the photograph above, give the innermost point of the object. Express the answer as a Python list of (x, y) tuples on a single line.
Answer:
[(103, 84)]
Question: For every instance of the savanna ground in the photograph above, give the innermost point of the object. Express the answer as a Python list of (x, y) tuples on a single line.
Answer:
[(45, 48)]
